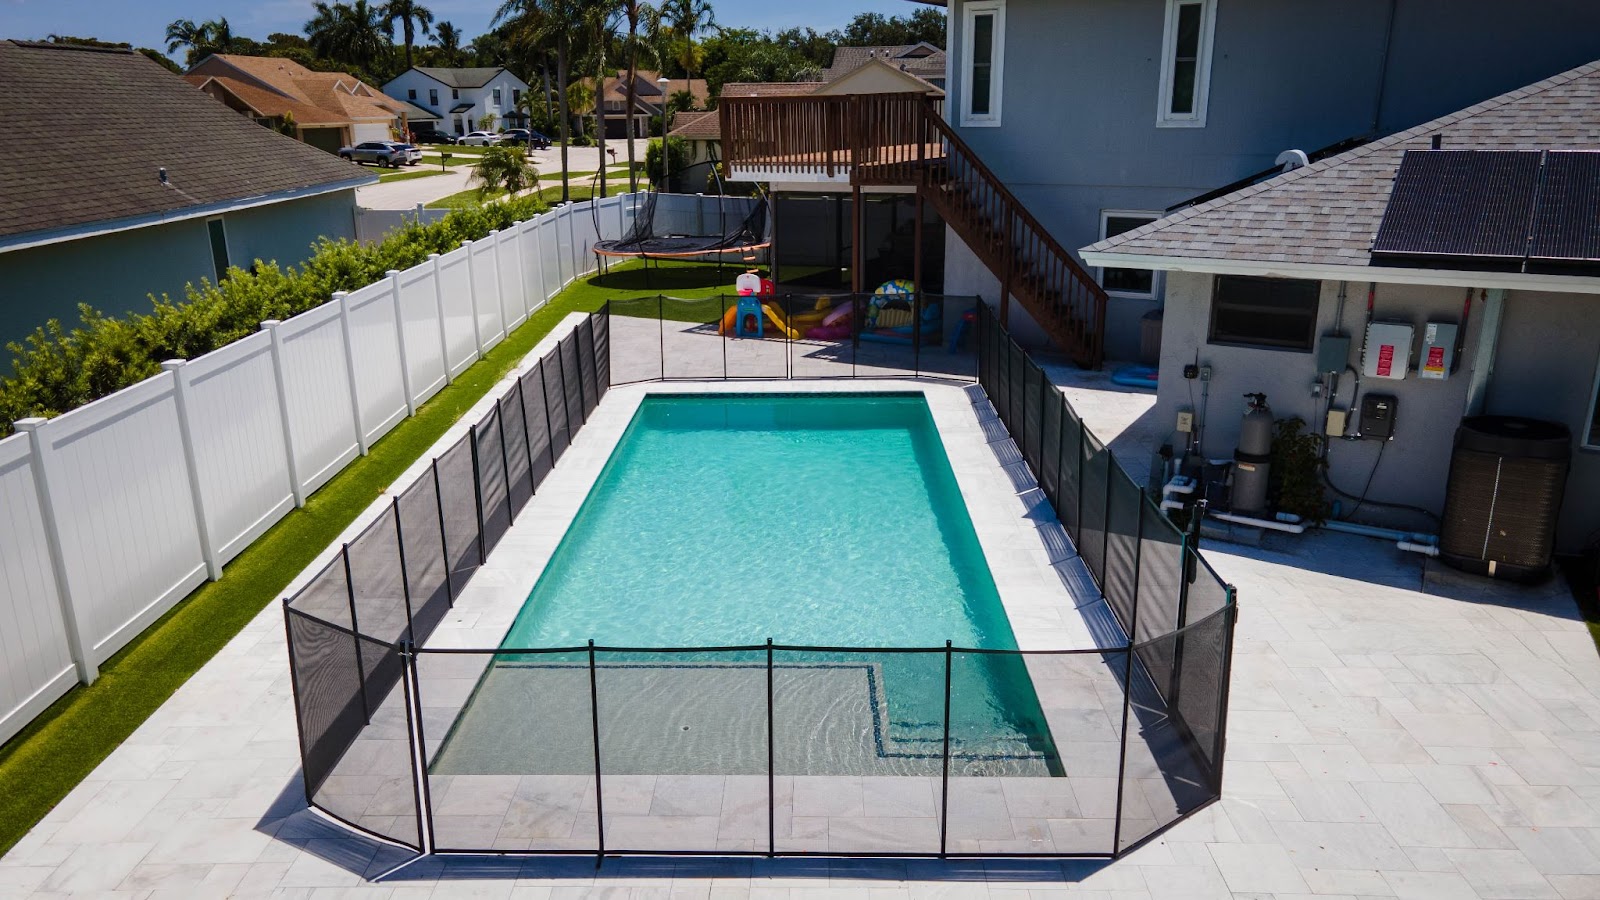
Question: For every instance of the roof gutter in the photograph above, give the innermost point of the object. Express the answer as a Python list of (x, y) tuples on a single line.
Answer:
[(1520, 281), (34, 239)]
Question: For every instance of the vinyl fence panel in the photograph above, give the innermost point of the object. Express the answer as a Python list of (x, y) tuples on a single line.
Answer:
[(316, 380), (513, 300), (455, 293), (419, 314), (375, 349), (242, 469), (486, 288), (35, 660), (532, 258)]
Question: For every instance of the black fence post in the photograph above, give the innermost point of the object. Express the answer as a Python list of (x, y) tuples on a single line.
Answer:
[(1127, 705), (722, 315), (944, 776), (599, 791), (505, 463), (1181, 620), (549, 430), (420, 773), (405, 577), (444, 539), (408, 664), (1231, 599), (772, 790), (355, 632), (661, 332), (477, 490), (527, 442)]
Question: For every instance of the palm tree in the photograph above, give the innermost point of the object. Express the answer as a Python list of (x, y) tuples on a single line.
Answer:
[(548, 21), (412, 16), (185, 33), (447, 38), (353, 32), (600, 16), (580, 96), (504, 168), (687, 17), (634, 11)]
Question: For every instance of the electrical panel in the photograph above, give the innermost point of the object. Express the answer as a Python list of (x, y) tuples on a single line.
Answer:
[(1387, 353), (1438, 351), (1378, 413), (1333, 352)]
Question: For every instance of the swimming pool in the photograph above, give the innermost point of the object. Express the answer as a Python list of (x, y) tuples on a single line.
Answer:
[(824, 520)]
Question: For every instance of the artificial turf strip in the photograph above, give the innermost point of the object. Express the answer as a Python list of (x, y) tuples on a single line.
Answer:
[(44, 761)]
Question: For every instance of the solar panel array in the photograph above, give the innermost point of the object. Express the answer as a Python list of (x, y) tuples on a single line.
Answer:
[(1493, 208)]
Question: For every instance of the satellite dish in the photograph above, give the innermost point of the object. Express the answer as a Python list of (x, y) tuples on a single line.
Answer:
[(1291, 160)]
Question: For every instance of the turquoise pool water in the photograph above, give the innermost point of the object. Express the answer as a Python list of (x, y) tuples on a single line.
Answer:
[(824, 520)]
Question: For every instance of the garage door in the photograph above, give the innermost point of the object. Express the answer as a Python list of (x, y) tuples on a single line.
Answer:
[(329, 139), (372, 131)]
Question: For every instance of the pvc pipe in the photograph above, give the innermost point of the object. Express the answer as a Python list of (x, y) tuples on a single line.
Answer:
[(1389, 534), (1291, 528), (1424, 549)]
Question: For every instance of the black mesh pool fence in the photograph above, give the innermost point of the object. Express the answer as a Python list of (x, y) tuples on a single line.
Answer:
[(769, 749)]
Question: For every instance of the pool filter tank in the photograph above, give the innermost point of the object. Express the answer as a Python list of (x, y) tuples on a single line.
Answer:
[(1253, 457)]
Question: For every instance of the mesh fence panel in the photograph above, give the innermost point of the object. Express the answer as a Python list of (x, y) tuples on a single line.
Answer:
[(327, 595), (756, 344), (572, 384), (488, 455), (458, 493), (826, 343), (1033, 387), (1069, 502), (1161, 779), (885, 350), (692, 341), (1120, 583), (1160, 574), (509, 745), (514, 431), (422, 537), (683, 749), (1198, 692), (1001, 398), (948, 347), (555, 402), (1035, 747), (1095, 483), (1017, 397), (602, 348), (327, 690), (858, 750), (377, 582), (1050, 446), (586, 366), (637, 334), (536, 416)]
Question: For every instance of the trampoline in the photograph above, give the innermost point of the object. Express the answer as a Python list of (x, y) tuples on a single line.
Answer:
[(736, 233)]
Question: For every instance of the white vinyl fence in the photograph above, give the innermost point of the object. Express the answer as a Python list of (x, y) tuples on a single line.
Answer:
[(113, 512)]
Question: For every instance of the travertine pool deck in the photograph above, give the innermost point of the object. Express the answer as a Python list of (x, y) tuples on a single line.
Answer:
[(1394, 732)]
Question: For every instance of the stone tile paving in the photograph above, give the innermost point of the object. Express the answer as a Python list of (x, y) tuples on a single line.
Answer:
[(1396, 731)]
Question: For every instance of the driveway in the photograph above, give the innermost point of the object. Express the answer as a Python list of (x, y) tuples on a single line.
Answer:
[(1396, 730), (407, 193)]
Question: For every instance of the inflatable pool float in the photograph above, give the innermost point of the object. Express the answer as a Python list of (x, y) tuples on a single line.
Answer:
[(1135, 376)]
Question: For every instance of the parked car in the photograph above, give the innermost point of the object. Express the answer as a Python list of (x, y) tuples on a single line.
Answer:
[(427, 134), (383, 153), (480, 139), (525, 138)]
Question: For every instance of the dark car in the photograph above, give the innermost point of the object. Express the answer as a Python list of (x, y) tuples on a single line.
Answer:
[(525, 138), (430, 135)]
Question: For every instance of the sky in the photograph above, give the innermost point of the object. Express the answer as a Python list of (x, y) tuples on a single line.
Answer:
[(143, 23)]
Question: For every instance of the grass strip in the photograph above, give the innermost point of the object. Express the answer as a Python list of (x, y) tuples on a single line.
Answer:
[(57, 750)]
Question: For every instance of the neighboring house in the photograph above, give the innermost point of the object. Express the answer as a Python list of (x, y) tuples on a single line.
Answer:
[(650, 100), (1259, 279), (327, 110), (463, 98), (124, 181), (923, 60), (1099, 115)]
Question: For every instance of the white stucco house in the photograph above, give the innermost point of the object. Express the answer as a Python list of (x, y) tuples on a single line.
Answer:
[(461, 98)]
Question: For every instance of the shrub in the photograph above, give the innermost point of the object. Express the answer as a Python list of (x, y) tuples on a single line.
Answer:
[(678, 150), (59, 369)]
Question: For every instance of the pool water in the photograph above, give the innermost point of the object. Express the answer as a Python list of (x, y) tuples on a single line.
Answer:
[(824, 520)]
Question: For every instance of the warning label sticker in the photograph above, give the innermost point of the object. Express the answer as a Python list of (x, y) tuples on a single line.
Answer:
[(1434, 364), (1385, 360)]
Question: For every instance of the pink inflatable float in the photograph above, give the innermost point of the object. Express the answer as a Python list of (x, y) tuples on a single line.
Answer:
[(835, 325)]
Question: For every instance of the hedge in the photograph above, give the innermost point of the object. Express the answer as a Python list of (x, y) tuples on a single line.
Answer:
[(57, 369)]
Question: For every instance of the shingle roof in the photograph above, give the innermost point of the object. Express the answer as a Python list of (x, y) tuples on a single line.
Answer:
[(923, 60), (88, 128), (342, 97), (769, 88), (696, 126), (269, 103), (1328, 213), (462, 78)]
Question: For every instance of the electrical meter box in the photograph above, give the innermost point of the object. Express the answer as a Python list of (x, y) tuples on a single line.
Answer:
[(1378, 412), (1438, 351), (1387, 353)]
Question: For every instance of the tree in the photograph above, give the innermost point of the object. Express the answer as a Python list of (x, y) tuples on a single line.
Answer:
[(688, 17), (580, 96), (447, 38), (633, 47), (504, 168), (552, 22), (204, 39), (412, 16), (871, 29), (601, 18), (185, 33), (349, 32)]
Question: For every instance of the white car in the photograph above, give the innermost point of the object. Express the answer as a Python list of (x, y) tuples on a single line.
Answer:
[(481, 139)]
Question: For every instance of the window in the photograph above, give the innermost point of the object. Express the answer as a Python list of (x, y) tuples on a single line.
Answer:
[(983, 54), (496, 96), (433, 96), (1186, 63), (1139, 283), (1272, 313), (1591, 436), (411, 94), (516, 96), (455, 94), (219, 247)]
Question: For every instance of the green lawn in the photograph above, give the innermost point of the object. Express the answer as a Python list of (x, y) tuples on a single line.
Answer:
[(64, 744), (465, 199), (407, 175)]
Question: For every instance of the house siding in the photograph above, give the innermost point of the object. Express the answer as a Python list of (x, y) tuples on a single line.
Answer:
[(1081, 83), (1544, 368), (481, 98), (118, 273)]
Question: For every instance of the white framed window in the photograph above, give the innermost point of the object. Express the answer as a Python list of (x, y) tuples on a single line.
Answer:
[(983, 32), (1186, 63), (433, 96), (1591, 428), (1136, 283), (496, 96), (217, 232), (411, 94)]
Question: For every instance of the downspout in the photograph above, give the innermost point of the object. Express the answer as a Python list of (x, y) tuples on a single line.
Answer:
[(1484, 349), (1383, 68)]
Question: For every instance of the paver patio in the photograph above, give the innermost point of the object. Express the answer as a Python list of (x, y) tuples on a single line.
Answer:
[(1395, 731)]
